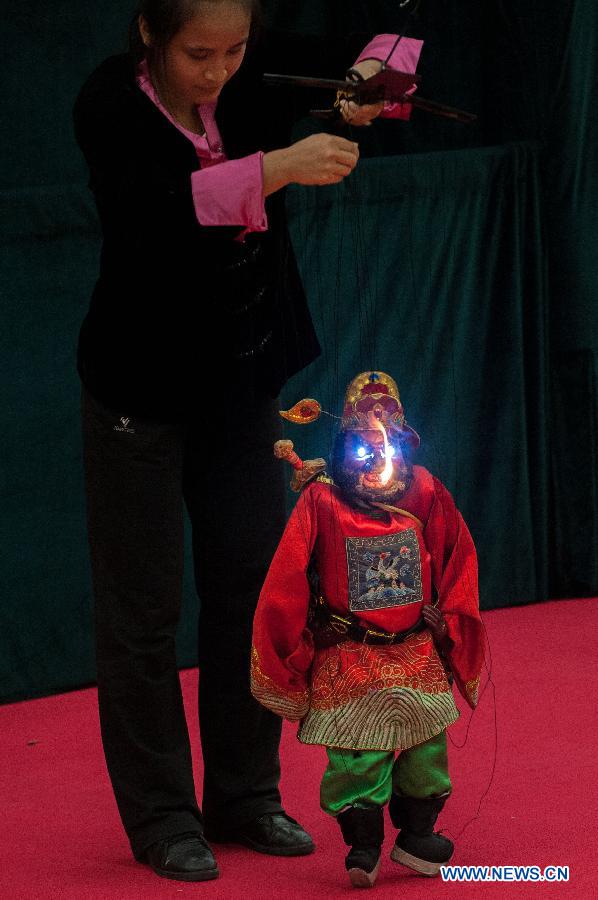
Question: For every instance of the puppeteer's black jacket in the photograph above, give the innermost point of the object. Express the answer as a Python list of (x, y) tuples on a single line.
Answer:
[(179, 307)]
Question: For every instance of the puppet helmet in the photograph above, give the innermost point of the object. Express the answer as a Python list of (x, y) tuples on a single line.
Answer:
[(376, 395)]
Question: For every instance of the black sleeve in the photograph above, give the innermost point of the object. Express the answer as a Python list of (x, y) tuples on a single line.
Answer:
[(140, 166)]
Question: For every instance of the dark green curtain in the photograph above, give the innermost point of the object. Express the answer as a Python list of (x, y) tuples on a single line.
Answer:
[(462, 260), (431, 268), (570, 179)]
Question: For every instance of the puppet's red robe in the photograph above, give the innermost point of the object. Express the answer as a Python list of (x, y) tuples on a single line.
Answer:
[(381, 570)]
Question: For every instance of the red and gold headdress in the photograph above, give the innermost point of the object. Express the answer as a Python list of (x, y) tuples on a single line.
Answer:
[(371, 399), (374, 397)]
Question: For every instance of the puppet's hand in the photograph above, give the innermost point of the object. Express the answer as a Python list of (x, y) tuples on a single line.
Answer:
[(437, 625), (353, 113)]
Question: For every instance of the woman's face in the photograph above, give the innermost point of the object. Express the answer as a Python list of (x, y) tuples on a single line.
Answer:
[(205, 53)]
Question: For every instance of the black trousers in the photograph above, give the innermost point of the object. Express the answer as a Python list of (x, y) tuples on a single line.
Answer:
[(138, 475)]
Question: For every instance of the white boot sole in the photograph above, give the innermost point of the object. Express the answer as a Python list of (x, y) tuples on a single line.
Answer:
[(414, 862), (360, 878)]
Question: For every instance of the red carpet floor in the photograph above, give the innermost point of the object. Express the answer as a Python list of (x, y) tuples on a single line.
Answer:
[(533, 740)]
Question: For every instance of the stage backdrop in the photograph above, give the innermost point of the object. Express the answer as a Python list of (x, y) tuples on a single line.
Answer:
[(462, 260)]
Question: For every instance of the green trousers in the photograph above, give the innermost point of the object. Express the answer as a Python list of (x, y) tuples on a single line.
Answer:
[(367, 778)]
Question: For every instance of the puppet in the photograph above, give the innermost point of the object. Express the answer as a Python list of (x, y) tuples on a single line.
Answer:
[(367, 615)]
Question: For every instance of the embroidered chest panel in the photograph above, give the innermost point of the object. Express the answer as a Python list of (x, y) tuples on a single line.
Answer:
[(384, 571)]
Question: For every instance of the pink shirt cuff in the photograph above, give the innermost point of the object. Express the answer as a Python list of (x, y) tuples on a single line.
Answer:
[(405, 57), (231, 193)]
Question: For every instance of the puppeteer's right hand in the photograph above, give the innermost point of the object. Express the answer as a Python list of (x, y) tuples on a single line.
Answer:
[(322, 159), (318, 159)]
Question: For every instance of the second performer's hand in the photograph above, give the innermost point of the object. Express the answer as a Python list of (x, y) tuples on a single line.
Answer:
[(318, 159), (353, 113)]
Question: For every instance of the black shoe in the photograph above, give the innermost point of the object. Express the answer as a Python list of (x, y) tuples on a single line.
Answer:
[(417, 845), (184, 857), (363, 831), (273, 833)]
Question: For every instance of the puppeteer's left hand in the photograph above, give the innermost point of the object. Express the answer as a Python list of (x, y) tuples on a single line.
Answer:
[(352, 113), (437, 625)]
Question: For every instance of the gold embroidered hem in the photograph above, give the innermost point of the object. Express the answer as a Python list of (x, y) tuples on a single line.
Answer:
[(366, 697), (347, 671), (291, 705), (471, 691), (390, 719)]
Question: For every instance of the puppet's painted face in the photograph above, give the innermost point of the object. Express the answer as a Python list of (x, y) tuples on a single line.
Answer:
[(374, 466)]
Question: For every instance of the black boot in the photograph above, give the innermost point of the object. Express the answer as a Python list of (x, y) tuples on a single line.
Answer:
[(363, 831), (417, 846)]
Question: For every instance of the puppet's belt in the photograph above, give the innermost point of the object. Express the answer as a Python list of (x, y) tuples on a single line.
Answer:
[(329, 628)]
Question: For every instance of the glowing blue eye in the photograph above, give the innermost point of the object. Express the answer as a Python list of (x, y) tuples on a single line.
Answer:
[(362, 453), (391, 451)]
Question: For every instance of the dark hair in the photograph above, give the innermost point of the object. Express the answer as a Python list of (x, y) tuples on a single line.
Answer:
[(165, 18), (337, 458)]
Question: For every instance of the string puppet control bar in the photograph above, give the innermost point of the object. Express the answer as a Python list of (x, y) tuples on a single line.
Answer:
[(388, 85)]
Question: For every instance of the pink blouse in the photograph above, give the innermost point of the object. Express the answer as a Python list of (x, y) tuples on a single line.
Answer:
[(225, 191), (231, 191)]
